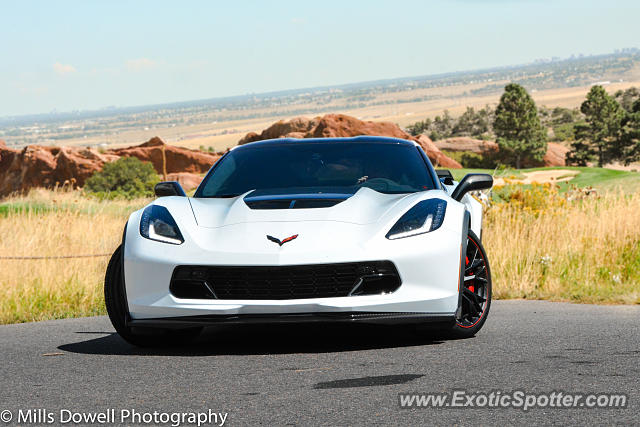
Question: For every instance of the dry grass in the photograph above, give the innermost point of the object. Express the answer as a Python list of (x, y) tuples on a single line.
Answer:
[(542, 246), (52, 224)]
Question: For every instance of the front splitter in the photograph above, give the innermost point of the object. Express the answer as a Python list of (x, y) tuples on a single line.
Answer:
[(345, 317)]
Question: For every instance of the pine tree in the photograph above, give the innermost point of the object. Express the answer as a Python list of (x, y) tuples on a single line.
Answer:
[(604, 118), (582, 151), (630, 139), (520, 135)]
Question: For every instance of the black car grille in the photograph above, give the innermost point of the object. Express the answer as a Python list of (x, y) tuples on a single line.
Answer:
[(284, 282)]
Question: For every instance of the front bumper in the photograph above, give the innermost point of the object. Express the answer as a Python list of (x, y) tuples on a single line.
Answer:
[(428, 266)]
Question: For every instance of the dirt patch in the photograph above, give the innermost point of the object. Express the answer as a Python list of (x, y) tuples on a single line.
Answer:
[(633, 167), (540, 177)]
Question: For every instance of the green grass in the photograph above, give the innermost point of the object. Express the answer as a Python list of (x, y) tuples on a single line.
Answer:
[(84, 205), (600, 178), (606, 179), (23, 208)]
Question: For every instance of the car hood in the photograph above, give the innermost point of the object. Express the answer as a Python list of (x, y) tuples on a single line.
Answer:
[(366, 206)]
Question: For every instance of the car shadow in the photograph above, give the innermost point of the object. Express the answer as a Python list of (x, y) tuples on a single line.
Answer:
[(264, 340)]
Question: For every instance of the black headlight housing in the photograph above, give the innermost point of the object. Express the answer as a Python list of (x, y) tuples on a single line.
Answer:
[(424, 217), (158, 224)]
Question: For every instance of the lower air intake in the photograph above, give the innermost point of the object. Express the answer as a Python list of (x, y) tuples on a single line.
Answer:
[(285, 282)]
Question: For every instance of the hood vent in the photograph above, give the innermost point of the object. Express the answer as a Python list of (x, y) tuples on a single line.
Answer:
[(295, 201)]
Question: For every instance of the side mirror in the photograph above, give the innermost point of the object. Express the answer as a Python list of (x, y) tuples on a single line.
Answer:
[(472, 182), (169, 188), (445, 176)]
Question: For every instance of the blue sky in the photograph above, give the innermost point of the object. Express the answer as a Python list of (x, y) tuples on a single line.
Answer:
[(72, 55)]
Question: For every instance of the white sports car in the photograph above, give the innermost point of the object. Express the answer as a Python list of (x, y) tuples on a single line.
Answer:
[(305, 230)]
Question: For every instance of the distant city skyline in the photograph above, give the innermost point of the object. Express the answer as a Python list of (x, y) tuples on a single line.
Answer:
[(74, 55)]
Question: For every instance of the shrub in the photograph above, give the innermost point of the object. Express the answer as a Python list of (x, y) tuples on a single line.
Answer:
[(127, 177), (469, 159), (536, 198)]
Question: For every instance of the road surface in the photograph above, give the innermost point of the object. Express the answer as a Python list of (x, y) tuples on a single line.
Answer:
[(301, 375)]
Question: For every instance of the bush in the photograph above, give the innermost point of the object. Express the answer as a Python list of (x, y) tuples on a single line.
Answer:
[(536, 198), (127, 177), (469, 159), (476, 124)]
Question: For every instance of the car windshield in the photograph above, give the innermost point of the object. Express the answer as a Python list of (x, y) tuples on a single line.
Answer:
[(319, 167)]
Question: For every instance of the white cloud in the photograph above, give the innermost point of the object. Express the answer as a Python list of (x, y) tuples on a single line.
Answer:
[(141, 64), (63, 69), (299, 21)]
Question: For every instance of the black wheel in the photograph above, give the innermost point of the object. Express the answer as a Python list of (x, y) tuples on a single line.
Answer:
[(476, 291), (116, 301)]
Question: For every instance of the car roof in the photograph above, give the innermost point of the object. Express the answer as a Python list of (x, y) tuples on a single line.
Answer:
[(356, 139)]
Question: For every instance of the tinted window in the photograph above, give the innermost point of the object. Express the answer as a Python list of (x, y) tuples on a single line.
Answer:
[(319, 167)]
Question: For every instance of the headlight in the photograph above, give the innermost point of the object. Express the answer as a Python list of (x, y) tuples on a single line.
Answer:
[(158, 224), (424, 217)]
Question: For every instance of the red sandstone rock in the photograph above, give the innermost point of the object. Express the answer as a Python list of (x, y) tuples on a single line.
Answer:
[(187, 180), (40, 166), (555, 155), (340, 125), (178, 159), (465, 143)]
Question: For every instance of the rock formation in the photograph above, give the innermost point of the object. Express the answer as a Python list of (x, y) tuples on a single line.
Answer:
[(465, 143), (187, 180), (340, 125), (555, 155), (42, 166), (178, 159)]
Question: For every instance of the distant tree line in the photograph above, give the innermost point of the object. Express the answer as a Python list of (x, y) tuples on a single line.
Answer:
[(472, 123), (605, 128)]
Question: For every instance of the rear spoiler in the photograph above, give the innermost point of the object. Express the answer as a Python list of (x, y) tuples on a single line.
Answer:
[(445, 176)]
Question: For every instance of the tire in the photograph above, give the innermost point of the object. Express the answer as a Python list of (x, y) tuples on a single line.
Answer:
[(116, 301), (475, 284), (467, 325)]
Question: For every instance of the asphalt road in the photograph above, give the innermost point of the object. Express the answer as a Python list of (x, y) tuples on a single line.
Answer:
[(332, 375)]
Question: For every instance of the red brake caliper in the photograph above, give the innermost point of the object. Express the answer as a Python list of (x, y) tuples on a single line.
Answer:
[(466, 261)]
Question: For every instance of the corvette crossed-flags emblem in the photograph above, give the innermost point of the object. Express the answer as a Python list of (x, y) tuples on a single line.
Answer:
[(283, 241)]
